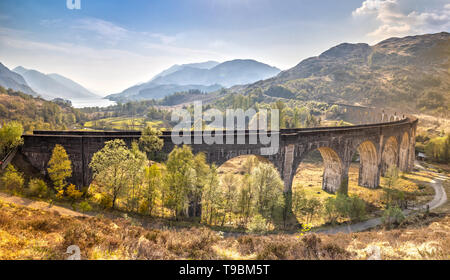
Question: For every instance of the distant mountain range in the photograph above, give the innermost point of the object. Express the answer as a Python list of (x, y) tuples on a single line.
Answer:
[(12, 80), (48, 86), (411, 73), (207, 77), (51, 86)]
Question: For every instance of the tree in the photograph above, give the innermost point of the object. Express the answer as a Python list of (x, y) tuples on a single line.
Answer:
[(136, 169), (179, 180), (10, 137), (268, 188), (152, 182), (229, 183), (111, 167), (12, 179), (203, 174), (151, 143), (212, 197), (245, 199), (59, 168)]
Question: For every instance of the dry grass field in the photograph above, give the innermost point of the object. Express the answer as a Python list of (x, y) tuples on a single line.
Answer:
[(38, 234)]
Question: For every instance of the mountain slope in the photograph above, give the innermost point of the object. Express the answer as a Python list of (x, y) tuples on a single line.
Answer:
[(227, 74), (53, 85), (175, 68), (411, 73), (12, 80), (207, 76)]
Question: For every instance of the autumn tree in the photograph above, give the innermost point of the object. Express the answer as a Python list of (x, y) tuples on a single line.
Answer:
[(12, 179), (111, 168), (179, 180), (230, 184), (151, 143), (136, 170), (212, 201), (268, 187), (10, 137), (152, 183), (59, 168)]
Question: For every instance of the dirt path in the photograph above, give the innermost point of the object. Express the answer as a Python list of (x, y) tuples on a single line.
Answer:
[(440, 197), (40, 205)]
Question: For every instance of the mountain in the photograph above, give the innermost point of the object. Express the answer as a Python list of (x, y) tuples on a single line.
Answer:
[(161, 91), (12, 80), (228, 74), (207, 76), (176, 67), (52, 86), (411, 73)]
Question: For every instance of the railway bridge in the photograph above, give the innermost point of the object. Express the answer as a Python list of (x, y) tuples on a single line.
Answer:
[(386, 141)]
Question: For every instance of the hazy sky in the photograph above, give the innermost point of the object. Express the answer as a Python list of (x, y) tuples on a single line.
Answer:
[(109, 45)]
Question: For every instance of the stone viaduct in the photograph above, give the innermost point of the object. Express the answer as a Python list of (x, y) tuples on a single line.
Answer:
[(388, 141)]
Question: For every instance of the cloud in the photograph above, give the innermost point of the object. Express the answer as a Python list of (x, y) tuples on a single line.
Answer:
[(102, 28), (50, 22), (403, 17)]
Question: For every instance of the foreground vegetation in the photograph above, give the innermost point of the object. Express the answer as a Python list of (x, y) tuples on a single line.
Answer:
[(37, 234)]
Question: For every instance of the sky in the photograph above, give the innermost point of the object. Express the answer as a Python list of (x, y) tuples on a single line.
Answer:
[(110, 45)]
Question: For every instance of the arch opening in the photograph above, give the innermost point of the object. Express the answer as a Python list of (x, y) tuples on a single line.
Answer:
[(250, 186), (389, 155), (369, 175), (324, 161), (317, 177)]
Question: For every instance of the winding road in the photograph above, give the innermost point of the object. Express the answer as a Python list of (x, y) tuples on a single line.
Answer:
[(440, 197)]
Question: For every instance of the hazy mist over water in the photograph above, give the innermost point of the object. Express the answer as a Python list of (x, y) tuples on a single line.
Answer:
[(91, 102)]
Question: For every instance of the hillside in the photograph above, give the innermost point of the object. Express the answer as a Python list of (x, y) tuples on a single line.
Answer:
[(36, 113), (411, 73), (52, 86), (37, 234), (12, 80), (206, 77)]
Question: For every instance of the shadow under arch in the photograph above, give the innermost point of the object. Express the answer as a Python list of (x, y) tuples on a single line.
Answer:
[(404, 152), (369, 175), (389, 156), (332, 168)]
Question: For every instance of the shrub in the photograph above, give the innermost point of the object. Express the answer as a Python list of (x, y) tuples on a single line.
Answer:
[(12, 180), (392, 216), (84, 206), (37, 187), (103, 199), (73, 193), (343, 206), (258, 225)]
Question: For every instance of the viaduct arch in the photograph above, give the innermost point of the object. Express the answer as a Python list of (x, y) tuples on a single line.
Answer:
[(380, 145)]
